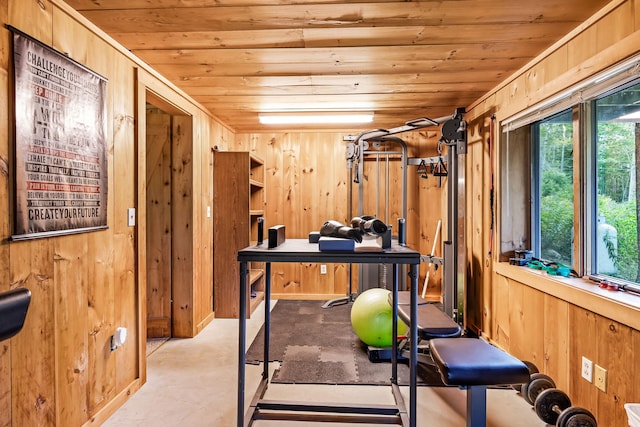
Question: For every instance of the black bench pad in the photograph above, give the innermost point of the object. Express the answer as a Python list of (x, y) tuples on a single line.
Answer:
[(471, 361), (432, 322), (13, 310)]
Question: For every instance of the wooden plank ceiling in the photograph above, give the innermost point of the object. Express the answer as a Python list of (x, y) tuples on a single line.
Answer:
[(400, 59)]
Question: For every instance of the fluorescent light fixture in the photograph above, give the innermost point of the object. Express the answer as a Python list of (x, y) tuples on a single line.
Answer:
[(320, 118), (631, 117), (316, 107)]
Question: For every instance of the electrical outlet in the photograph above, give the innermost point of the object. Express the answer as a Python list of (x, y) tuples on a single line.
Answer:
[(601, 378), (587, 369), (323, 269)]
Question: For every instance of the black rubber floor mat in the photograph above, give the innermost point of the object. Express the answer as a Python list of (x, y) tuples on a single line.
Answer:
[(316, 345)]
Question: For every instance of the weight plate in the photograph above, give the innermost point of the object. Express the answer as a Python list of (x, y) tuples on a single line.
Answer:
[(523, 392), (550, 403), (576, 417), (535, 386)]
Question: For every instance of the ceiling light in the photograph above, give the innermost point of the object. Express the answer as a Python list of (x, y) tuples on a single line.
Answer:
[(631, 117), (314, 118)]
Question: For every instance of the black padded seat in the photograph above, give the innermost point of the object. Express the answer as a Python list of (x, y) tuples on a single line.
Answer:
[(472, 361), (474, 364), (432, 322), (13, 310)]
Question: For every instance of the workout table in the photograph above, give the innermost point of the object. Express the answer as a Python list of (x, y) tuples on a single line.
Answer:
[(300, 250)]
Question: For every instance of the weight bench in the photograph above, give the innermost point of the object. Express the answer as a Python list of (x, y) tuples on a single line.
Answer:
[(432, 322), (475, 364), (13, 310)]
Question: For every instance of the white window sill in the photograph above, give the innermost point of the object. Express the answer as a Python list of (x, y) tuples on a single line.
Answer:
[(622, 307)]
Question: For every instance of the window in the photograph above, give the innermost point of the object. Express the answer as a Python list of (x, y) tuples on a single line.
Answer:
[(553, 202), (569, 178), (616, 141), (537, 176)]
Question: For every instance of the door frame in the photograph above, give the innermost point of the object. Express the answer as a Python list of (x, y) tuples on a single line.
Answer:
[(149, 90)]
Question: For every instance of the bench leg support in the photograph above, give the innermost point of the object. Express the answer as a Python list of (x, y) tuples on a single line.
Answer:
[(477, 406)]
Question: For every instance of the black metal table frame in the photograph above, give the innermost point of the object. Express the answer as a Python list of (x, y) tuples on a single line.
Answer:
[(299, 250)]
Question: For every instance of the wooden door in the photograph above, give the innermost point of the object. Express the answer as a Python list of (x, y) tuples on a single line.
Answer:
[(159, 241)]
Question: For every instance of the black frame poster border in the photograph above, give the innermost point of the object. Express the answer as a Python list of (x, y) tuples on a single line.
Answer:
[(60, 183)]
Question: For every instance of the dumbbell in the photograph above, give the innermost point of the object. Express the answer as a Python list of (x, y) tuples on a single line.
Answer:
[(553, 406), (537, 384)]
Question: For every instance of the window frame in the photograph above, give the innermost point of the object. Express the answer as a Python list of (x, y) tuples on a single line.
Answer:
[(580, 99), (536, 190), (591, 178)]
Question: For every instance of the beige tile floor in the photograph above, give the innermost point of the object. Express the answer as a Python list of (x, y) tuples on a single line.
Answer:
[(193, 382)]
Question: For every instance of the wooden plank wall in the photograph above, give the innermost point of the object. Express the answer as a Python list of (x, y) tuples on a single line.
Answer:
[(307, 183), (59, 370), (207, 136), (553, 332), (64, 346)]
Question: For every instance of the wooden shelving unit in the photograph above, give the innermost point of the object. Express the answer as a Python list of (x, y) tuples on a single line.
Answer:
[(238, 202)]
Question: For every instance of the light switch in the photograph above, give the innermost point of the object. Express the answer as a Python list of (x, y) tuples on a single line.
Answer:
[(131, 213)]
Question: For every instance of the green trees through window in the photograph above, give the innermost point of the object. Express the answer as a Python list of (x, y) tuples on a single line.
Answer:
[(616, 145), (612, 147), (555, 175)]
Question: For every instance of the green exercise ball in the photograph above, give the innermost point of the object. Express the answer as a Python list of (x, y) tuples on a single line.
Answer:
[(371, 318)]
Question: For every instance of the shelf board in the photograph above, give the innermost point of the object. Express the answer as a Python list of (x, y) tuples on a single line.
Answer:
[(256, 212), (255, 275), (253, 302), (255, 160), (255, 183)]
